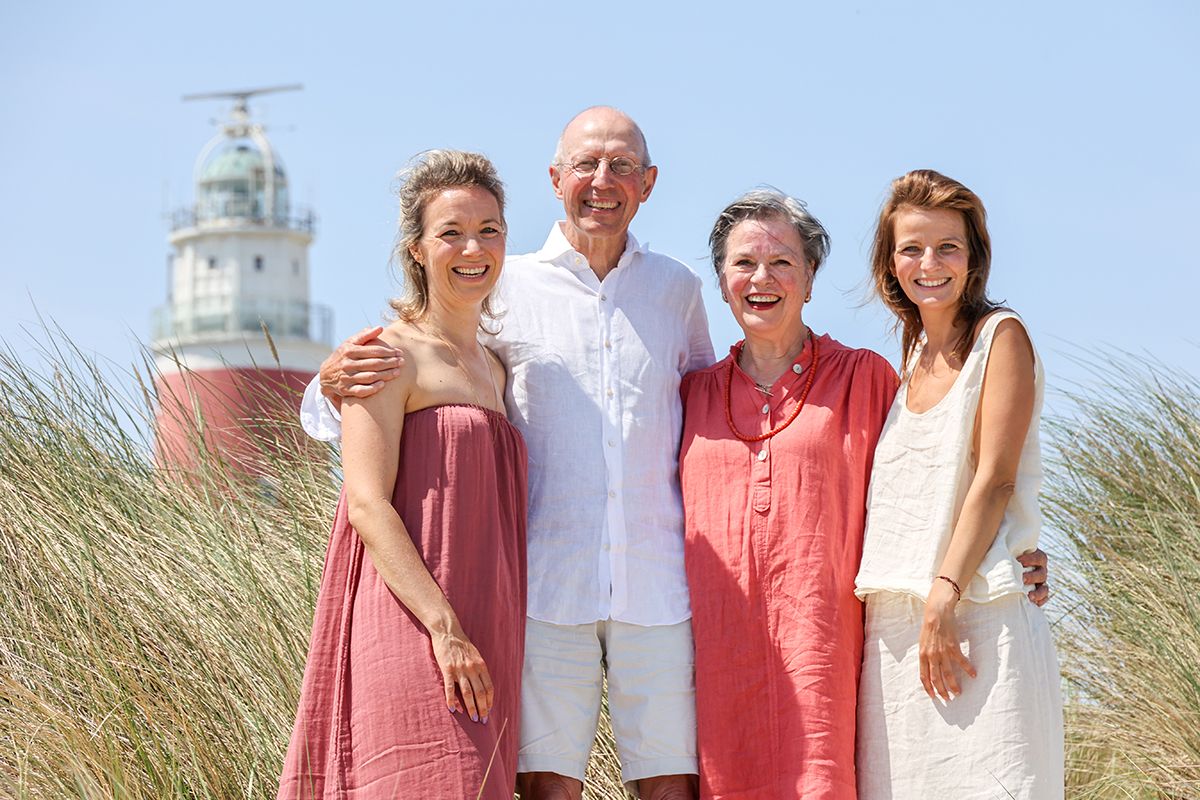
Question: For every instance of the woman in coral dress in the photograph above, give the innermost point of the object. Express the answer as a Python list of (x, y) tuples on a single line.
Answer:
[(412, 685), (776, 455)]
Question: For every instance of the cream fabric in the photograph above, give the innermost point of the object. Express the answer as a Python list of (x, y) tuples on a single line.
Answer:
[(1001, 738), (651, 697), (923, 467)]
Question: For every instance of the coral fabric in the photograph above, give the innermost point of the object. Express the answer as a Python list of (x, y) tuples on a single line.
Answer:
[(373, 721), (772, 547)]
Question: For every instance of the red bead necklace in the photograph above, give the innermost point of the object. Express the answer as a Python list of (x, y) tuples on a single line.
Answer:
[(812, 374)]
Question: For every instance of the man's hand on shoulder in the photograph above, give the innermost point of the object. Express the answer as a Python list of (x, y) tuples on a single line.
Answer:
[(359, 367)]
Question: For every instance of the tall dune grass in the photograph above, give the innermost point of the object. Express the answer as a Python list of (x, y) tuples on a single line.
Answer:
[(1124, 488)]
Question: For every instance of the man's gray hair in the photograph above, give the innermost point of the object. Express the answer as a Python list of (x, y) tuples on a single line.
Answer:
[(766, 204)]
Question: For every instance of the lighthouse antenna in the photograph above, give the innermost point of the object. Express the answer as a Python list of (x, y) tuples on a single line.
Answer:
[(240, 96)]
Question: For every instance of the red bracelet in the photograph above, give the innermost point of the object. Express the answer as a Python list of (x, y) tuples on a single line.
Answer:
[(957, 589)]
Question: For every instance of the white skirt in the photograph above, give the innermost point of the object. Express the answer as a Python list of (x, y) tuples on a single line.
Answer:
[(1001, 738)]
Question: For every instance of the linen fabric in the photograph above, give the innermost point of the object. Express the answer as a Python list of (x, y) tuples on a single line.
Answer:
[(651, 699), (372, 720), (924, 466), (1001, 738), (594, 371), (773, 540)]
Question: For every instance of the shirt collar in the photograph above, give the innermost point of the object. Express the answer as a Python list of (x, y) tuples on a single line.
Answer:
[(557, 246)]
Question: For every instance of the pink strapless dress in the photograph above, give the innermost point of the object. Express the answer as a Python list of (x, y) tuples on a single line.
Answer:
[(372, 721)]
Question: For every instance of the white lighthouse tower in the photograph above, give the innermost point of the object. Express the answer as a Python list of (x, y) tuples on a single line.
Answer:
[(239, 267)]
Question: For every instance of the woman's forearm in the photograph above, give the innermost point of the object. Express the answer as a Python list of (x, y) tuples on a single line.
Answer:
[(397, 561), (978, 524)]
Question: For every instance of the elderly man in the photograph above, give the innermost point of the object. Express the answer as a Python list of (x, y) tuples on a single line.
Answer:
[(597, 332)]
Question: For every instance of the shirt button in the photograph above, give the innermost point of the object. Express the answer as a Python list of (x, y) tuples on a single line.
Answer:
[(603, 297), (611, 443), (766, 408), (612, 494), (609, 392), (608, 344), (762, 455), (606, 547), (796, 368)]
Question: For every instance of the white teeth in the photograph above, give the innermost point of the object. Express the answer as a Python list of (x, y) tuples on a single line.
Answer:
[(605, 205), (470, 272), (930, 283), (762, 298)]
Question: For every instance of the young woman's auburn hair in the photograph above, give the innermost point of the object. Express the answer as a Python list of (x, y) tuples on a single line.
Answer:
[(925, 188)]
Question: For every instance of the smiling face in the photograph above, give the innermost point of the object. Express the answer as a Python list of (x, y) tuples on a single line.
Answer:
[(461, 246), (931, 257), (766, 278), (600, 206)]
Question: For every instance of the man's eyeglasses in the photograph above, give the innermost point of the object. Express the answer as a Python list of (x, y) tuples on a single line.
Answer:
[(587, 166)]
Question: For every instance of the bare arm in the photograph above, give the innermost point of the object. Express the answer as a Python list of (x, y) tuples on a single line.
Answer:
[(359, 367), (1005, 413), (371, 430)]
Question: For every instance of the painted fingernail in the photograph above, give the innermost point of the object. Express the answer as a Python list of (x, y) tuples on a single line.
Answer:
[(453, 710), (485, 719), (475, 718)]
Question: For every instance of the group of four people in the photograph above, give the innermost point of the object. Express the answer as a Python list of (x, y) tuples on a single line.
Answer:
[(529, 509)]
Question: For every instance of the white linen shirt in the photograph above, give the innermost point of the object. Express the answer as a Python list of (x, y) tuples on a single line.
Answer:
[(594, 370)]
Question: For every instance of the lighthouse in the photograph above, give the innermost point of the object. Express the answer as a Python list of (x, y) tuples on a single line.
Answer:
[(238, 336)]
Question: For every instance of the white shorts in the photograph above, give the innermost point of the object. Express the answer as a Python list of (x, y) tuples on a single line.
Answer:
[(651, 697)]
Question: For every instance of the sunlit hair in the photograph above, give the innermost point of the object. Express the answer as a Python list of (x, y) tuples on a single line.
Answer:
[(768, 204), (560, 155), (430, 174), (924, 188)]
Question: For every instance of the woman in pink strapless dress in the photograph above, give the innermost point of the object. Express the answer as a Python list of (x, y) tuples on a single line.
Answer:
[(412, 686)]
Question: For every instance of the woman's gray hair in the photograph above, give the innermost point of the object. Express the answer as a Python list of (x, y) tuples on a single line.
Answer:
[(763, 204), (429, 174)]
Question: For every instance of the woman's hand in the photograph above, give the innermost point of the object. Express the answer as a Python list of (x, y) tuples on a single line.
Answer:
[(359, 366), (463, 668), (940, 653)]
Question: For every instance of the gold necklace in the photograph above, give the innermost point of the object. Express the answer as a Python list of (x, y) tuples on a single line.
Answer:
[(458, 362)]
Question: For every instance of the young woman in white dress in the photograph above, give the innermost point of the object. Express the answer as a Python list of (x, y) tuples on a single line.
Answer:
[(959, 693)]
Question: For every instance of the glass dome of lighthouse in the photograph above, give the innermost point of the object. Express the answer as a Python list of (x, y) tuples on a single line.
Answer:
[(241, 179)]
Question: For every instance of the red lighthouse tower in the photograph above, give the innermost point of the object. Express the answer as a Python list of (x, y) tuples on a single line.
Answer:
[(239, 271)]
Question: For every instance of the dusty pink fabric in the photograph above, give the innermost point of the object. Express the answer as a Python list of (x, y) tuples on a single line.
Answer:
[(372, 721), (772, 547)]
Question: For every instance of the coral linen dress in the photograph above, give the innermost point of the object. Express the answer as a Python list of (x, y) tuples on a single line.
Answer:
[(373, 721), (773, 539)]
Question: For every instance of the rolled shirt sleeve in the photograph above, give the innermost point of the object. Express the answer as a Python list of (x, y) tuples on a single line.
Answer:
[(319, 418)]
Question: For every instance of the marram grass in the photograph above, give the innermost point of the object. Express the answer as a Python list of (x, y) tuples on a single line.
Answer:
[(1123, 490), (154, 623)]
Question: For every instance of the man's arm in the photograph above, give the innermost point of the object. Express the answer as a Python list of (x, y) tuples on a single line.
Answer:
[(359, 367)]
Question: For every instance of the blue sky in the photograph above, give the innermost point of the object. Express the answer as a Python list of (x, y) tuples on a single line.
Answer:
[(1076, 122)]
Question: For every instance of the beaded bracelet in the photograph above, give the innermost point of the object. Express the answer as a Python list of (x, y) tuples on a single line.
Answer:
[(957, 589)]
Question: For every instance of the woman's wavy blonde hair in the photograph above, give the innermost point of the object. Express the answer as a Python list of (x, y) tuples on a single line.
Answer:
[(431, 173)]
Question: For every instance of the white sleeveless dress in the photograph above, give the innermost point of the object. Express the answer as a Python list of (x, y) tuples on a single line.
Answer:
[(1003, 736)]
